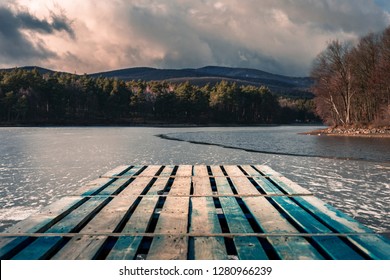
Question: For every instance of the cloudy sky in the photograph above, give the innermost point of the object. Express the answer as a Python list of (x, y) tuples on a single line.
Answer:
[(86, 36)]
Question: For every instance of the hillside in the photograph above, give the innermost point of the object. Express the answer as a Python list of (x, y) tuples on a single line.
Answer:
[(284, 85), (279, 84)]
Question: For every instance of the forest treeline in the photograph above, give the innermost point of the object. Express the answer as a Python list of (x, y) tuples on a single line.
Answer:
[(352, 81), (29, 97)]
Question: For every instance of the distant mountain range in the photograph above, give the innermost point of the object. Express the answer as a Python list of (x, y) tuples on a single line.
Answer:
[(283, 85)]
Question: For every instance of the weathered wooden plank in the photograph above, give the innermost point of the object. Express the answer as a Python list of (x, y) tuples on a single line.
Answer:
[(94, 186), (128, 212), (114, 186), (77, 217), (204, 217), (181, 186), (125, 248), (108, 219), (286, 184), (241, 182), (233, 170), (202, 186), (151, 170), (168, 248), (105, 221), (266, 170), (116, 171), (11, 245), (167, 171), (264, 184), (249, 248), (173, 219), (174, 216), (210, 248), (106, 184), (184, 170), (267, 186), (136, 187), (201, 171), (141, 216), (238, 223), (81, 248), (333, 246), (204, 220), (235, 218), (251, 171), (134, 170), (47, 216), (158, 186), (223, 186), (216, 171), (374, 246), (294, 248), (39, 249), (270, 220), (337, 219)]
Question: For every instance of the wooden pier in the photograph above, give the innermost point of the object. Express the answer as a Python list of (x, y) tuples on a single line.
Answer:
[(197, 212)]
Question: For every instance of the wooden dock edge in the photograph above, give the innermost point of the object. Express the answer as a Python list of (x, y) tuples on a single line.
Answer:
[(191, 212)]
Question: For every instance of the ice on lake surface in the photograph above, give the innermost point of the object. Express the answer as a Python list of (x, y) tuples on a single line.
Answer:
[(40, 165)]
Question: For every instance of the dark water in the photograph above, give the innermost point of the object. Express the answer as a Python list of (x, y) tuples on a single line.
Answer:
[(286, 141), (39, 165)]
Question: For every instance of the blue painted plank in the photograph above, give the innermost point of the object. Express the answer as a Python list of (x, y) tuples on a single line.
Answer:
[(39, 249), (132, 171), (94, 186), (10, 245), (286, 184), (374, 246), (270, 220), (238, 223), (333, 246), (267, 186), (203, 221), (249, 248), (114, 186), (77, 216), (46, 216), (125, 248)]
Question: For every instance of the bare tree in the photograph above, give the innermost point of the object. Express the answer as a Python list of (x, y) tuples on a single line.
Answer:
[(332, 74), (365, 58)]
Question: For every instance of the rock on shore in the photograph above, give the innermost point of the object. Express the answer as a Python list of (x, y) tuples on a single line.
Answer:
[(353, 131)]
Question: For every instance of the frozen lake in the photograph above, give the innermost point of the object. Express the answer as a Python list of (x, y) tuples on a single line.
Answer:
[(40, 165)]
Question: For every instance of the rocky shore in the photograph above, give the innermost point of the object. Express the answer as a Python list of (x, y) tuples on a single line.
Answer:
[(353, 131)]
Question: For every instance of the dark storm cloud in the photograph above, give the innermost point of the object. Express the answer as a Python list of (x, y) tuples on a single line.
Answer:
[(280, 36), (18, 42)]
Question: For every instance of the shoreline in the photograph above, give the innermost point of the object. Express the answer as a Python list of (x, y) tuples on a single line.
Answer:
[(382, 132), (151, 124)]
